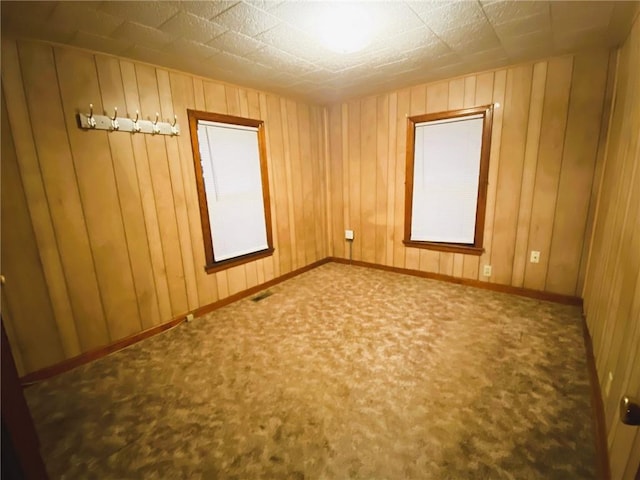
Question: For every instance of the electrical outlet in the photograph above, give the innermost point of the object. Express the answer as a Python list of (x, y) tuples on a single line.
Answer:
[(535, 256), (348, 234), (189, 317), (607, 388), (486, 271)]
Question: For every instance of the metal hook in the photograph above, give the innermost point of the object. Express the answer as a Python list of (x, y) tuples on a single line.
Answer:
[(136, 125), (90, 120), (156, 128), (114, 120), (174, 129)]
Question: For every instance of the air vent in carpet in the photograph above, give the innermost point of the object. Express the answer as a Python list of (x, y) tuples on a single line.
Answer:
[(262, 296)]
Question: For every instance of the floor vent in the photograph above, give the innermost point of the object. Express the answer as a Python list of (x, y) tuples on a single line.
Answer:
[(262, 296)]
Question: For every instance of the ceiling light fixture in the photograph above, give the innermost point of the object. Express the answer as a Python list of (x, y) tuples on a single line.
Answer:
[(344, 27)]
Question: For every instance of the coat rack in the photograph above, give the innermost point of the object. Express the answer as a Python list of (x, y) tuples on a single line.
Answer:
[(89, 121)]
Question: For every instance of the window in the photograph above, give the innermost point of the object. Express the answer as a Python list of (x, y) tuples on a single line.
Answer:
[(233, 188), (447, 176)]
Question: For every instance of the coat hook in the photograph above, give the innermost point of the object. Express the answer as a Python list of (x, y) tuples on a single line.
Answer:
[(174, 129), (114, 120), (156, 128), (136, 126), (90, 120)]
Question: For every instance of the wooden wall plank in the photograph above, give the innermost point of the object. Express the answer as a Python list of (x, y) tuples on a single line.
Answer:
[(296, 182), (354, 187), (514, 130), (346, 182), (237, 279), (147, 199), (288, 182), (276, 142), (368, 127), (308, 170), (233, 100), (98, 192), (612, 281), (37, 201), (243, 95), (183, 96), (167, 112), (112, 93), (382, 186), (251, 268), (499, 86), (63, 196), (620, 264), (198, 93), (419, 259), (597, 175), (576, 174), (337, 182), (321, 186), (480, 86), (402, 112), (271, 264), (215, 100), (552, 136), (253, 104), (521, 256), (392, 125), (163, 192), (25, 296)]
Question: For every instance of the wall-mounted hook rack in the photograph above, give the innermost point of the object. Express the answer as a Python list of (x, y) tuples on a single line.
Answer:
[(123, 124)]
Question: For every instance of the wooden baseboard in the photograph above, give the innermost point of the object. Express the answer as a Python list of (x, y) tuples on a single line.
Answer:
[(91, 355), (523, 292), (603, 469), (100, 352)]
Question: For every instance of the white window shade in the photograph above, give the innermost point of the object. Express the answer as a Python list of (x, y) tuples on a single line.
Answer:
[(446, 179), (233, 185)]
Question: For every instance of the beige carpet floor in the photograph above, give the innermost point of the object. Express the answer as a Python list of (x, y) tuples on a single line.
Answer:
[(343, 372)]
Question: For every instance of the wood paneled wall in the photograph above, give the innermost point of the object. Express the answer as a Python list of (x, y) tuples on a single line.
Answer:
[(114, 238), (544, 152), (612, 287)]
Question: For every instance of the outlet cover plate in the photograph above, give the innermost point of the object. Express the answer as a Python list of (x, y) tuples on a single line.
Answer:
[(348, 234), (535, 256), (486, 271)]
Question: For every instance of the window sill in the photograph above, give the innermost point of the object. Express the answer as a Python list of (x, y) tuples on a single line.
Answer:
[(234, 262), (445, 247)]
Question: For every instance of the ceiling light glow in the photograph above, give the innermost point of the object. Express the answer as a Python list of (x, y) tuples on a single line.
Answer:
[(344, 28)]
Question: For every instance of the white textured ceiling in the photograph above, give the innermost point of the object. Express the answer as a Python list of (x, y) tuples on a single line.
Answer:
[(267, 45)]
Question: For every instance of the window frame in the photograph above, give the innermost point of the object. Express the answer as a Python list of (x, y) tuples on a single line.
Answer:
[(483, 181), (212, 265)]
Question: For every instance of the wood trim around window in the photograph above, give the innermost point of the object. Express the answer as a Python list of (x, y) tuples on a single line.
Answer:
[(211, 265), (483, 181)]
